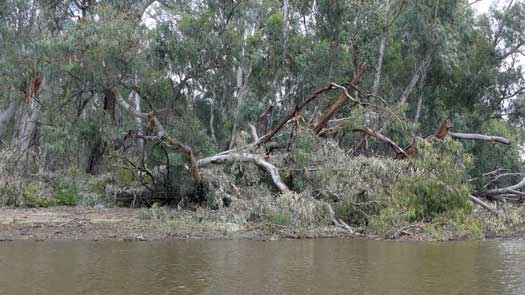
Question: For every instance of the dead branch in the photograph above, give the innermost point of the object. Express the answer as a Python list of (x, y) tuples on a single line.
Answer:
[(245, 157), (268, 136), (482, 204), (339, 102), (400, 153), (163, 135), (482, 137), (253, 129), (513, 189), (262, 118), (447, 124)]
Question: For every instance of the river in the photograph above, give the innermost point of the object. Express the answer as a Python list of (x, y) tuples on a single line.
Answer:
[(257, 267)]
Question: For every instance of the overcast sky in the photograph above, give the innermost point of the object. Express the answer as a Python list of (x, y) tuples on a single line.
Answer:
[(484, 5)]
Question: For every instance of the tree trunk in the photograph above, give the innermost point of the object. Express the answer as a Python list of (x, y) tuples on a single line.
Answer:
[(245, 157), (212, 121), (421, 71), (382, 47), (5, 118), (140, 123)]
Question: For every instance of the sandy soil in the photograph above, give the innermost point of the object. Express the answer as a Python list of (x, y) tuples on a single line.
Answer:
[(126, 224)]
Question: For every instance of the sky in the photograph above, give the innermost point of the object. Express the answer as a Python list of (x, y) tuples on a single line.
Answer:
[(484, 5)]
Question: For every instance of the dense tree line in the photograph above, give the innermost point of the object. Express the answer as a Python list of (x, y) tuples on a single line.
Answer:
[(162, 86)]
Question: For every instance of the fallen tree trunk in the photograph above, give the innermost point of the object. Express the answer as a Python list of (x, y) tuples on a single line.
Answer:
[(482, 137), (513, 189), (245, 157), (482, 204), (447, 124)]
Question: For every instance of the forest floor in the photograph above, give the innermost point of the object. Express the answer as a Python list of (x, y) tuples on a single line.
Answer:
[(75, 223)]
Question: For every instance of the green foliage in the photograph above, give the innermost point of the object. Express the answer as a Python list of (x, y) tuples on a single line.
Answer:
[(281, 218), (437, 185), (489, 157), (66, 192), (434, 187)]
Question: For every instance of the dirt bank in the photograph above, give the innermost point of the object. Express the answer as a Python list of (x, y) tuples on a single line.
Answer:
[(130, 224)]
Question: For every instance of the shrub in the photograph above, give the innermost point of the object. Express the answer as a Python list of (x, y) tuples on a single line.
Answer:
[(281, 217), (66, 193)]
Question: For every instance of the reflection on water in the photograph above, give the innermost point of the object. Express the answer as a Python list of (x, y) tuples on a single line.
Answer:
[(253, 267)]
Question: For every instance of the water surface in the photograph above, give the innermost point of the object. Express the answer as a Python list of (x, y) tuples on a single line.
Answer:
[(255, 267)]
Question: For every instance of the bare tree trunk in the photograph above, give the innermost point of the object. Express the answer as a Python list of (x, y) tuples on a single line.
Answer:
[(419, 102), (240, 87), (420, 72), (482, 137), (212, 121), (6, 116), (135, 98), (382, 47), (26, 128)]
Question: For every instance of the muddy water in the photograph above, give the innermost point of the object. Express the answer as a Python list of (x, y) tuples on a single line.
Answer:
[(253, 267)]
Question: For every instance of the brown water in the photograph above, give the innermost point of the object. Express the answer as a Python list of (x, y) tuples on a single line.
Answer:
[(253, 267)]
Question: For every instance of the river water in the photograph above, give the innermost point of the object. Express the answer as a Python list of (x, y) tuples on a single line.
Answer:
[(256, 267)]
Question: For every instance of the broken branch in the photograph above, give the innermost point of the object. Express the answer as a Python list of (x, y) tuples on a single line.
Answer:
[(400, 153)]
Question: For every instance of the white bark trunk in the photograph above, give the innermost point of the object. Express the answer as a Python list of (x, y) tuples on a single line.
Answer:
[(382, 48), (140, 122), (6, 116), (494, 139), (245, 157), (420, 72)]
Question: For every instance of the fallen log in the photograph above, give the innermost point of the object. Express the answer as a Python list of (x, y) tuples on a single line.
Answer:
[(447, 124), (482, 137), (245, 157), (482, 204), (513, 189)]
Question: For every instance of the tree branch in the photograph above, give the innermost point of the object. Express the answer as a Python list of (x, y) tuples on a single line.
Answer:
[(245, 157), (400, 153), (469, 136)]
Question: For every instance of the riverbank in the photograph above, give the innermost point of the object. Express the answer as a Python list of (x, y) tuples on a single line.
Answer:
[(93, 224), (76, 223)]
